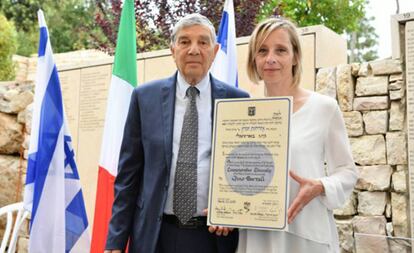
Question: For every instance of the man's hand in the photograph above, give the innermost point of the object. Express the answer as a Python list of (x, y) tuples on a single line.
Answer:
[(112, 251), (219, 230), (308, 190)]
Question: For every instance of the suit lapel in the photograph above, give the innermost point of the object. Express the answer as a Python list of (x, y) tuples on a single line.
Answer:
[(218, 91), (168, 106)]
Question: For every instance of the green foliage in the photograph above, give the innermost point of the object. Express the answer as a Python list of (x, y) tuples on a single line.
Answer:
[(339, 15), (24, 16), (7, 48), (70, 23), (362, 41), (27, 42)]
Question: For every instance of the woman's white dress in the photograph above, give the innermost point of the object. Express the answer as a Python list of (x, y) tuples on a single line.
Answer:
[(318, 134)]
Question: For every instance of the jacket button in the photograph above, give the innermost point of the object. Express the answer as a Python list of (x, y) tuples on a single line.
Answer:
[(160, 218)]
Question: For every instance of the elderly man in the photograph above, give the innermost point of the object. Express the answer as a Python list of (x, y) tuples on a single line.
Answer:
[(162, 185)]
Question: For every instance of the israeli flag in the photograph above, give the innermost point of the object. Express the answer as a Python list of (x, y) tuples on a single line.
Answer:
[(225, 65), (52, 193)]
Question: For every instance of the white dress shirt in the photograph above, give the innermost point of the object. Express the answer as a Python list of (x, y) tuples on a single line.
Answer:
[(203, 102)]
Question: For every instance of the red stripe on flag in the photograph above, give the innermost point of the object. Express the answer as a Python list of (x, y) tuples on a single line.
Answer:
[(103, 210)]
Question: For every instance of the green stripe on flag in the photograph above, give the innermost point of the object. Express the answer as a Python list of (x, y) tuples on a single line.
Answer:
[(125, 66)]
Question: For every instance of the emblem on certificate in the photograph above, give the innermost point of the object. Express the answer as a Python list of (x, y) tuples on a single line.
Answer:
[(249, 163)]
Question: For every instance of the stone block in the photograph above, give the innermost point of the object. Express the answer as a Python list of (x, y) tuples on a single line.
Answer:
[(399, 245), (364, 227), (396, 77), (10, 94), (349, 208), (374, 178), (368, 150), (371, 103), (376, 122), (386, 67), (9, 181), (364, 69), (397, 94), (369, 225), (11, 134), (397, 115), (399, 181), (20, 102), (14, 96), (371, 203), (400, 222), (371, 85), (15, 100), (397, 85), (371, 244), (326, 81), (28, 113), (396, 148), (353, 123), (345, 233), (355, 68), (345, 87)]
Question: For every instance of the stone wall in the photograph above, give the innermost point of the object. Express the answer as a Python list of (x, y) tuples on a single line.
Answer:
[(15, 122), (372, 98)]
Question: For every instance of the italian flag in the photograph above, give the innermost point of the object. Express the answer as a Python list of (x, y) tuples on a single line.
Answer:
[(124, 79)]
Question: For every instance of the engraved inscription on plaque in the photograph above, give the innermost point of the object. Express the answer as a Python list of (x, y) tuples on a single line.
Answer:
[(409, 62), (92, 104)]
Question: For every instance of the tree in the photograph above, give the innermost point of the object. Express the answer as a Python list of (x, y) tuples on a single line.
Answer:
[(70, 24), (7, 48), (339, 15), (343, 17), (362, 41), (155, 18)]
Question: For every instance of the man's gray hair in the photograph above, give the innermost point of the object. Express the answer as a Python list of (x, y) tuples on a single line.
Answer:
[(190, 20)]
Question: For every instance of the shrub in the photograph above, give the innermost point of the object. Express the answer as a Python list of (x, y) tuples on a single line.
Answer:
[(8, 47)]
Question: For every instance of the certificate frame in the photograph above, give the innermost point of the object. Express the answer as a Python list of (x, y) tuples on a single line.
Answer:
[(250, 162)]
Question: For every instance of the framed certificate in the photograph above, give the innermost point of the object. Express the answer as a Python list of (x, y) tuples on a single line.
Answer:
[(249, 163)]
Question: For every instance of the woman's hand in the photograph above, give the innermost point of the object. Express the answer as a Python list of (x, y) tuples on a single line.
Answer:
[(308, 190), (219, 230)]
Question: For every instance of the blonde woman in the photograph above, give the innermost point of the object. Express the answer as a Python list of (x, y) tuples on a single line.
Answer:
[(318, 135)]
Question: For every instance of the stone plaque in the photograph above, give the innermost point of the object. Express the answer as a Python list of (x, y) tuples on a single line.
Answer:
[(93, 94), (409, 62)]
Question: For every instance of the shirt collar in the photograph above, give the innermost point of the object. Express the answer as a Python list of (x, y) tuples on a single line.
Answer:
[(182, 85)]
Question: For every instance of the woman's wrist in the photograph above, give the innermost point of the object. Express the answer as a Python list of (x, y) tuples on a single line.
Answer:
[(321, 188)]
